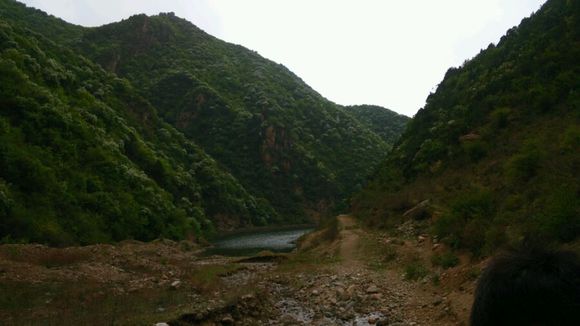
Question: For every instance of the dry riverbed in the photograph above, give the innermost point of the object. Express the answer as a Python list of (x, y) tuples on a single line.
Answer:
[(344, 275)]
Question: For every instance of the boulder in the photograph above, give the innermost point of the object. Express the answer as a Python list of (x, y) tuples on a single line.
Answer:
[(372, 289), (420, 211)]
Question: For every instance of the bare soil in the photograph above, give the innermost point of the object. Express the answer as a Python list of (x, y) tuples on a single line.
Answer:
[(356, 277)]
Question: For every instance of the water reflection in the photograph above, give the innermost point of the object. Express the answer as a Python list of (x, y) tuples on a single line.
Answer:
[(252, 243)]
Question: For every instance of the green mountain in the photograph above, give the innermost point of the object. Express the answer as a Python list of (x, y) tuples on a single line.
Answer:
[(84, 158), (387, 124), (95, 155), (495, 149), (280, 138)]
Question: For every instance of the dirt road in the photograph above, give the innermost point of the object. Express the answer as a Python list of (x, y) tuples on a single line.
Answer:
[(348, 281)]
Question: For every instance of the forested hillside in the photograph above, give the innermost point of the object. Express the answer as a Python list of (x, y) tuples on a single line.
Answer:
[(84, 158), (89, 155), (387, 124), (280, 138), (495, 151)]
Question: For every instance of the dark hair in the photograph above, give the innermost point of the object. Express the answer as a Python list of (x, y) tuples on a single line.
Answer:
[(529, 287)]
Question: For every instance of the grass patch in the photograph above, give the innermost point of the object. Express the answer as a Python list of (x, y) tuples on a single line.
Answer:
[(473, 273), (415, 271), (380, 260), (330, 230), (88, 304), (307, 261), (206, 278), (436, 279), (445, 260)]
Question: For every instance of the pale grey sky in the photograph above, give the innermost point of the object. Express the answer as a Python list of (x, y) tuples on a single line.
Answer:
[(383, 52)]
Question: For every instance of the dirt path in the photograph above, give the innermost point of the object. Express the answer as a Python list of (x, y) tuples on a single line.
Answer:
[(361, 289), (349, 237)]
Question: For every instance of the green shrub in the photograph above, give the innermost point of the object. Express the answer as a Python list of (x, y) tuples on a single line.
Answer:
[(500, 118), (436, 279), (473, 273), (415, 271), (445, 260), (467, 220), (475, 150), (571, 139), (559, 220), (523, 166), (389, 254)]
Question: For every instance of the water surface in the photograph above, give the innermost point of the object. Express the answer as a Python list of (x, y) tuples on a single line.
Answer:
[(251, 243)]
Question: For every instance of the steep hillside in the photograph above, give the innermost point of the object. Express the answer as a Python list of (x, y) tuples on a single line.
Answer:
[(280, 138), (84, 158), (52, 27), (496, 148), (89, 157), (387, 124)]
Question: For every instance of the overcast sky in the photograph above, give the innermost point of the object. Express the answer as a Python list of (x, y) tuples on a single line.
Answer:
[(384, 52)]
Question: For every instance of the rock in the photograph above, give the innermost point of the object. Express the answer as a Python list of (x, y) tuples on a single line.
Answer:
[(372, 320), (351, 289), (175, 284), (420, 211), (437, 301), (315, 292), (227, 320), (372, 289), (469, 137), (248, 297), (162, 324), (376, 296)]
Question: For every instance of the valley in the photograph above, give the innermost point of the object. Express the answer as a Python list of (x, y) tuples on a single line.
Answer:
[(153, 174), (344, 279)]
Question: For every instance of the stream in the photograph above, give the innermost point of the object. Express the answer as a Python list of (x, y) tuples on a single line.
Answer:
[(251, 243)]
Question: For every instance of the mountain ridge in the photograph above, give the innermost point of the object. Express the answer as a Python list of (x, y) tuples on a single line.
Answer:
[(492, 150), (180, 68), (127, 173)]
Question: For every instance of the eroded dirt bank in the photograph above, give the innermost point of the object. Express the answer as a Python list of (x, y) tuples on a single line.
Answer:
[(344, 275)]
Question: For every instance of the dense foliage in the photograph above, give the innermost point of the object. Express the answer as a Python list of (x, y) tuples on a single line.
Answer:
[(496, 147), (84, 158), (387, 124), (281, 139), (89, 155)]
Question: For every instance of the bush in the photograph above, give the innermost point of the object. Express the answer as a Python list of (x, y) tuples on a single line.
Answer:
[(559, 219), (570, 139), (445, 260), (415, 270), (466, 222), (475, 150), (524, 165), (500, 118)]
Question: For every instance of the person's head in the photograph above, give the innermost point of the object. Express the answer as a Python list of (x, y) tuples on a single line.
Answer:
[(529, 287)]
